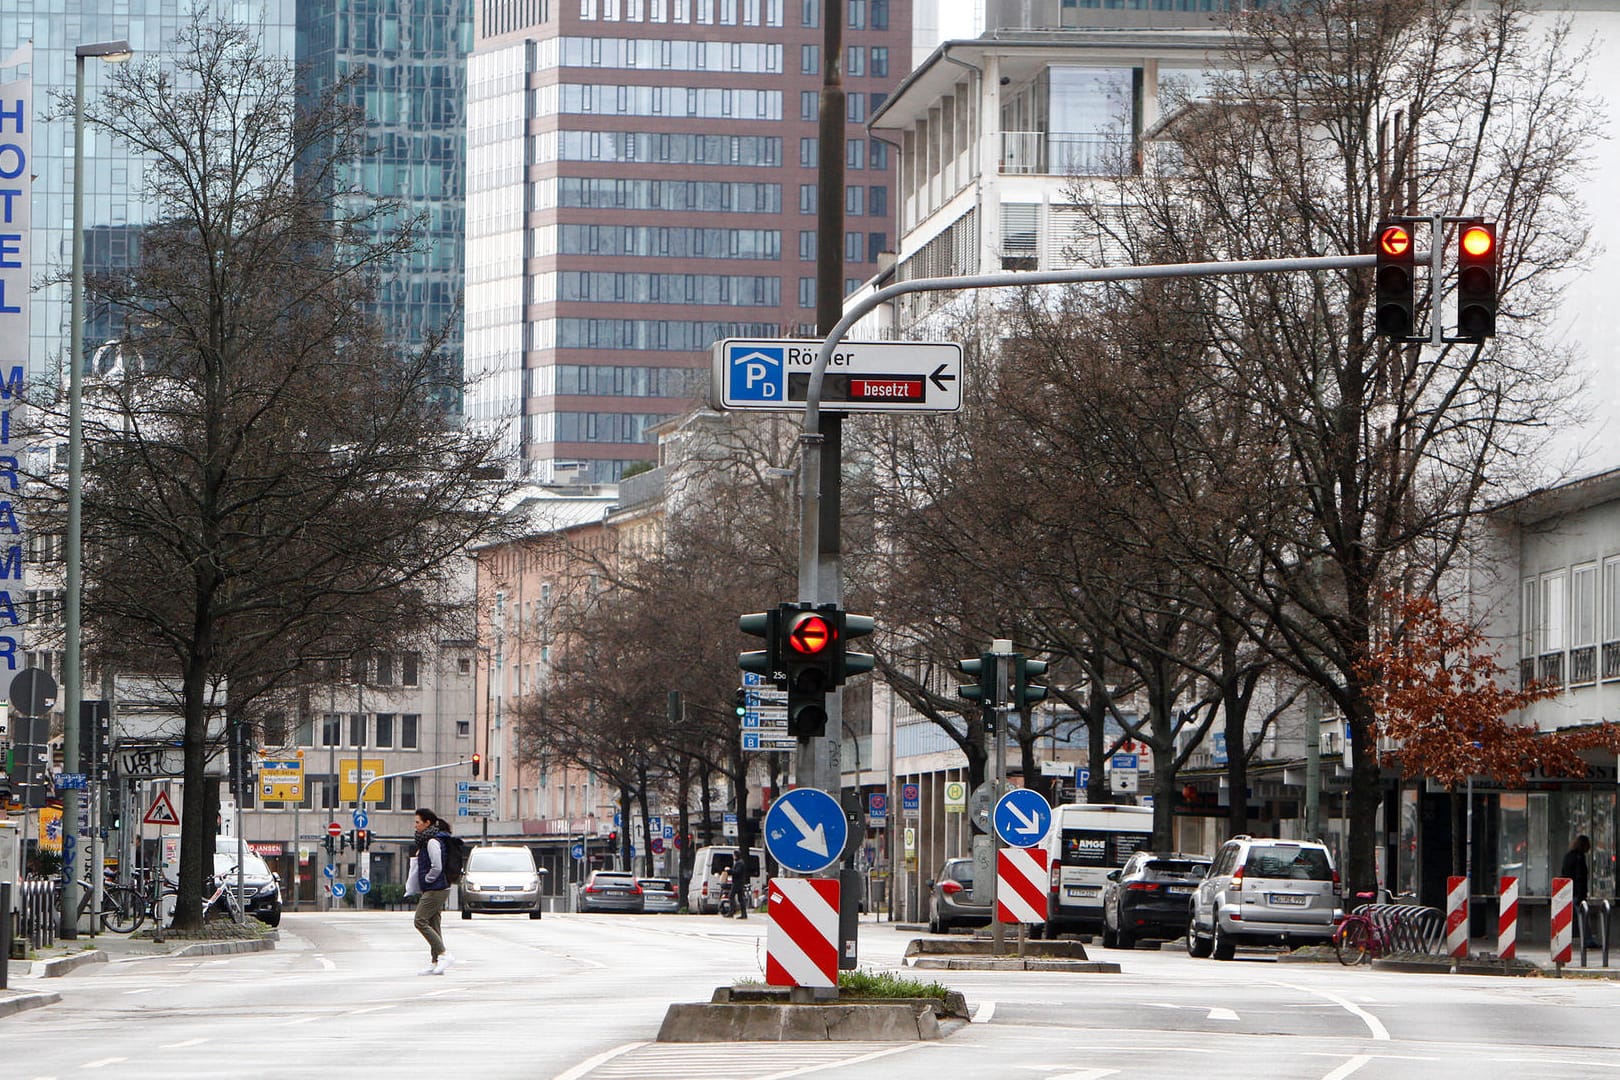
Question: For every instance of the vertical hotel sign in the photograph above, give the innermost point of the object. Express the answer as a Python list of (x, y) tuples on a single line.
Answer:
[(16, 269)]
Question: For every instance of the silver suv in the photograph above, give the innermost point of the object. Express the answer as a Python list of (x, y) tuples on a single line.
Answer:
[(1264, 892)]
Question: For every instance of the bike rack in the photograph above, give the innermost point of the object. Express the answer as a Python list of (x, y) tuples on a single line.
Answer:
[(1603, 907), (1408, 927)]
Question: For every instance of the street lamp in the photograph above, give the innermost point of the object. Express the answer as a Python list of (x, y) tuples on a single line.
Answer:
[(113, 52)]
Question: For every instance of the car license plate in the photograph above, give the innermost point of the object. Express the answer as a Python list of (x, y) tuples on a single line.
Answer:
[(1288, 900), (1082, 890), (503, 899), (1181, 890)]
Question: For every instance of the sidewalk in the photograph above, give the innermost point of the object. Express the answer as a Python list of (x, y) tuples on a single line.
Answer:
[(24, 978)]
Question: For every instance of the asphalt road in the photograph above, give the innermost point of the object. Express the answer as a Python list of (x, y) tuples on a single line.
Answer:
[(580, 998)]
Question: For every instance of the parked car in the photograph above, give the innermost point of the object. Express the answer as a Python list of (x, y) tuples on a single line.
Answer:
[(1085, 842), (1148, 897), (1264, 892), (659, 895), (611, 890), (951, 901), (501, 879), (260, 893)]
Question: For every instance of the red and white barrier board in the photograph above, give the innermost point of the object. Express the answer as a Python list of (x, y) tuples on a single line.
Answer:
[(1021, 885), (1563, 920), (1457, 917), (1507, 920), (801, 943)]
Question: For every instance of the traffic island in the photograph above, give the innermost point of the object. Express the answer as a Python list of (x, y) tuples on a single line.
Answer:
[(793, 1014), (977, 954)]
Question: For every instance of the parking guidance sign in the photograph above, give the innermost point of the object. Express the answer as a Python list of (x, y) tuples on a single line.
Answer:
[(862, 376)]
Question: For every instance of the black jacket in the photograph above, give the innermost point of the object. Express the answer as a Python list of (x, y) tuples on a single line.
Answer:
[(1575, 869)]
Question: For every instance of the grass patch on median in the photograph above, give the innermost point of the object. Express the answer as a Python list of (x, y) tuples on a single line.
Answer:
[(882, 984), (213, 930)]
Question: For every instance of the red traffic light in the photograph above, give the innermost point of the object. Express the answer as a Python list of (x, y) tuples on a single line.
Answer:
[(1477, 241), (477, 763), (1395, 241), (810, 636)]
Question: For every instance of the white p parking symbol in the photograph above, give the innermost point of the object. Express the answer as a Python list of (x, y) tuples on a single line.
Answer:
[(757, 374)]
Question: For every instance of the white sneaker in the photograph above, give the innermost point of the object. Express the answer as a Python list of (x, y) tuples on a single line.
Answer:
[(443, 963), (431, 969)]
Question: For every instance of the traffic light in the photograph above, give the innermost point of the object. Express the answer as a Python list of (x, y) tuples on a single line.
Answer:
[(766, 661), (1476, 281), (984, 690), (478, 764), (1394, 281), (846, 663), (362, 839), (740, 702), (95, 738), (809, 646), (1026, 693)]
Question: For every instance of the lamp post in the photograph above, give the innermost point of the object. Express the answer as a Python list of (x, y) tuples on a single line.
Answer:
[(113, 52)]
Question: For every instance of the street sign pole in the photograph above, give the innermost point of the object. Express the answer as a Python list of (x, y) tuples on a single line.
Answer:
[(1001, 649)]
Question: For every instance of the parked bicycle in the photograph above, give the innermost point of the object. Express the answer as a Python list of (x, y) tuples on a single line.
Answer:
[(221, 898), (1358, 937), (124, 906)]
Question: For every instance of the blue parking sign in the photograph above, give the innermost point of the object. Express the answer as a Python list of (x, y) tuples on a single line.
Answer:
[(756, 372)]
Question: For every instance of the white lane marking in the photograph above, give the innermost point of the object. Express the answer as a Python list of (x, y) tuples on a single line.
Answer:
[(142, 990), (303, 1020), (180, 1045), (1378, 1030), (368, 1009), (587, 1066), (102, 1061), (446, 990), (1085, 1074), (984, 1013), (840, 1063), (1215, 1012), (1347, 1068)]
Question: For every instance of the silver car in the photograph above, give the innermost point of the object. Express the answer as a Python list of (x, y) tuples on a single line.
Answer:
[(658, 895), (500, 880), (1264, 892), (611, 890)]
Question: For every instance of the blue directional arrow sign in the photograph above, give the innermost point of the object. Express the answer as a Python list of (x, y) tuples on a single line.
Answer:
[(362, 885), (1022, 817), (338, 889), (577, 851), (805, 830), (329, 870), (360, 822)]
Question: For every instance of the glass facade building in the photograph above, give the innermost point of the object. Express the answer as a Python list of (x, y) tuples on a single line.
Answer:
[(640, 174)]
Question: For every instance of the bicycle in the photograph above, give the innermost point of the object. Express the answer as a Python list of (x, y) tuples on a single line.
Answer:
[(123, 907), (1358, 937)]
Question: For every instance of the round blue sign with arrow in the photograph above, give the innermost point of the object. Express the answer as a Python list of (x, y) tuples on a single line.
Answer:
[(338, 890), (329, 870), (1022, 817), (577, 851), (362, 885), (805, 830), (361, 820)]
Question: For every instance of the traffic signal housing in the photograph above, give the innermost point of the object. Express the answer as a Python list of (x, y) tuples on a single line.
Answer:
[(1026, 693), (477, 764), (809, 646), (766, 661), (1476, 280), (740, 702), (849, 663), (1395, 281)]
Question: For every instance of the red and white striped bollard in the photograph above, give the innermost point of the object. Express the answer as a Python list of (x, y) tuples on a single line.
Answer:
[(1457, 917), (1507, 919), (1563, 919)]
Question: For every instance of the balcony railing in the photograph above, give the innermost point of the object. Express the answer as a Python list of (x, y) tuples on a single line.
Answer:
[(1061, 153), (1527, 672), (1551, 668), (1583, 664), (1611, 660)]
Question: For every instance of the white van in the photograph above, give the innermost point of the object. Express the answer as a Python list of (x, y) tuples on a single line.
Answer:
[(703, 891), (1088, 841)]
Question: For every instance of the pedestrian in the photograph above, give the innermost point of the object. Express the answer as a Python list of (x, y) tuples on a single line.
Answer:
[(429, 884), (1575, 868), (741, 871)]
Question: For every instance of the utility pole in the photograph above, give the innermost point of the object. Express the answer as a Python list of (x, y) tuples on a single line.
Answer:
[(1001, 649)]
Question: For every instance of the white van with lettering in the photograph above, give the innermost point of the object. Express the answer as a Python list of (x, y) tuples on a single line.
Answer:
[(1086, 843)]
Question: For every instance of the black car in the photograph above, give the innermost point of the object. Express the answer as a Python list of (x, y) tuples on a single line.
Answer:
[(1148, 897), (260, 891)]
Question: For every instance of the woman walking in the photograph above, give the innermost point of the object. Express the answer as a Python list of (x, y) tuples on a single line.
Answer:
[(431, 885)]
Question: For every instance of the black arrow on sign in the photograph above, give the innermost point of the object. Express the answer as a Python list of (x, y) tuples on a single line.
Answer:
[(939, 378)]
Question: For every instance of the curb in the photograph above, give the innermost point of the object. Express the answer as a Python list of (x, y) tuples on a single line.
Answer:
[(17, 1002), (223, 948), (970, 963), (58, 966), (706, 1022)]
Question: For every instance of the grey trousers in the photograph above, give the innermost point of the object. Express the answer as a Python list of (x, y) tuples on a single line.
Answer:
[(429, 913)]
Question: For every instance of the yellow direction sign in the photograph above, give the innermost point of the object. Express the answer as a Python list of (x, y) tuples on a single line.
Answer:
[(281, 780), (349, 783)]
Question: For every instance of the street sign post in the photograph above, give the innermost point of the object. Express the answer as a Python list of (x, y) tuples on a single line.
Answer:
[(863, 376)]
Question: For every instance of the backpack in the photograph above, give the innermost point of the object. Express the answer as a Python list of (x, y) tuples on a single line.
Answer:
[(453, 854)]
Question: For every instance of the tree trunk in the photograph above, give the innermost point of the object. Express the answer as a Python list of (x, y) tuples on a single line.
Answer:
[(199, 813)]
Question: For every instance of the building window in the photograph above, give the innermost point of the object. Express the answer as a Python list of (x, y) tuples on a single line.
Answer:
[(855, 154), (809, 105), (306, 731), (407, 731), (853, 246), (877, 154), (807, 292), (407, 792), (810, 13), (877, 201), (1611, 618), (875, 244), (385, 669), (807, 198), (880, 15), (855, 61), (357, 729), (464, 665), (855, 109), (857, 14), (410, 666), (385, 731), (807, 245), (810, 59), (386, 802), (880, 61), (331, 730), (275, 729), (463, 728), (854, 201), (1583, 624), (807, 153), (1552, 628), (308, 801)]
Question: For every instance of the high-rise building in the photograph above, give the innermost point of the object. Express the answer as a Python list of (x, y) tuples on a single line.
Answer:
[(641, 181)]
